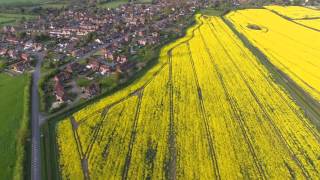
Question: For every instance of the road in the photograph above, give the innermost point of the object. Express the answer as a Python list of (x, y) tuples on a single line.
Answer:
[(35, 139), (37, 120)]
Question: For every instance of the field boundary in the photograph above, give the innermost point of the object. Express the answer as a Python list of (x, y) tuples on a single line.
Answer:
[(292, 20)]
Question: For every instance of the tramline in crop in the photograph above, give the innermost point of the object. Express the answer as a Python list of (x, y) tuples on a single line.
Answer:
[(309, 18), (208, 110), (288, 48)]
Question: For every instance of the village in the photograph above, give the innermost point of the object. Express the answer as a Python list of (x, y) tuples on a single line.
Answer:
[(89, 51)]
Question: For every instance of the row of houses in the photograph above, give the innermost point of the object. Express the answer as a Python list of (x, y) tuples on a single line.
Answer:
[(67, 74), (134, 24), (19, 61), (17, 51)]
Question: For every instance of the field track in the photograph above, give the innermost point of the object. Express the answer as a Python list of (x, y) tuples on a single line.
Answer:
[(180, 121)]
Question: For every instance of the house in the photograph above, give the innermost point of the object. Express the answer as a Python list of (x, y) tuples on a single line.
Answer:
[(104, 69), (20, 67), (59, 92), (28, 45), (37, 47), (9, 29), (93, 64), (140, 33), (24, 56), (63, 76), (122, 59), (74, 67), (91, 90), (126, 38), (108, 55), (12, 40), (3, 51), (142, 42), (12, 54), (155, 34)]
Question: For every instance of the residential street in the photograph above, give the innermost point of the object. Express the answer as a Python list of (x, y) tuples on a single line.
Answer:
[(35, 140)]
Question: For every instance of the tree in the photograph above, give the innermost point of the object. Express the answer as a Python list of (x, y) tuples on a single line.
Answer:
[(41, 37), (21, 35), (297, 2)]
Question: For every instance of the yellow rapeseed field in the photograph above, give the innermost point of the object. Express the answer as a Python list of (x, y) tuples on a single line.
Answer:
[(295, 12), (294, 49), (302, 15), (313, 23), (208, 110)]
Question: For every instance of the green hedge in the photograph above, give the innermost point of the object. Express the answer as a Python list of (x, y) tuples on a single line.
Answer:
[(42, 86)]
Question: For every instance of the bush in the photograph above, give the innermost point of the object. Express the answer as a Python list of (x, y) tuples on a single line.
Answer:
[(109, 82), (3, 64), (42, 85), (83, 82), (254, 27)]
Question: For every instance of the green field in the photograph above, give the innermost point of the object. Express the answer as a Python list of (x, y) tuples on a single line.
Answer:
[(11, 19), (211, 12), (113, 4), (21, 2), (12, 109), (55, 5), (117, 3)]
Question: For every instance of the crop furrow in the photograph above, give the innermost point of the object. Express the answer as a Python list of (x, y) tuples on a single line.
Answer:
[(205, 119), (295, 111), (246, 134), (171, 166), (133, 137), (96, 132), (266, 114), (82, 159)]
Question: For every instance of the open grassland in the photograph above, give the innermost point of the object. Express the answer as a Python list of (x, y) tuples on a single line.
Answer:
[(294, 49), (208, 110), (12, 110), (295, 12)]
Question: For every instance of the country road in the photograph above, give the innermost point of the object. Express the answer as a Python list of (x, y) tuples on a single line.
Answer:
[(37, 120), (35, 140)]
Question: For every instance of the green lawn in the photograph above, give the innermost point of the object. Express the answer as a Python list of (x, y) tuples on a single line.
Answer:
[(11, 111)]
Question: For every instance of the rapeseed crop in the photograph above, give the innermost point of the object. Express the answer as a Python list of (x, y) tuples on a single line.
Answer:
[(208, 110), (294, 49)]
